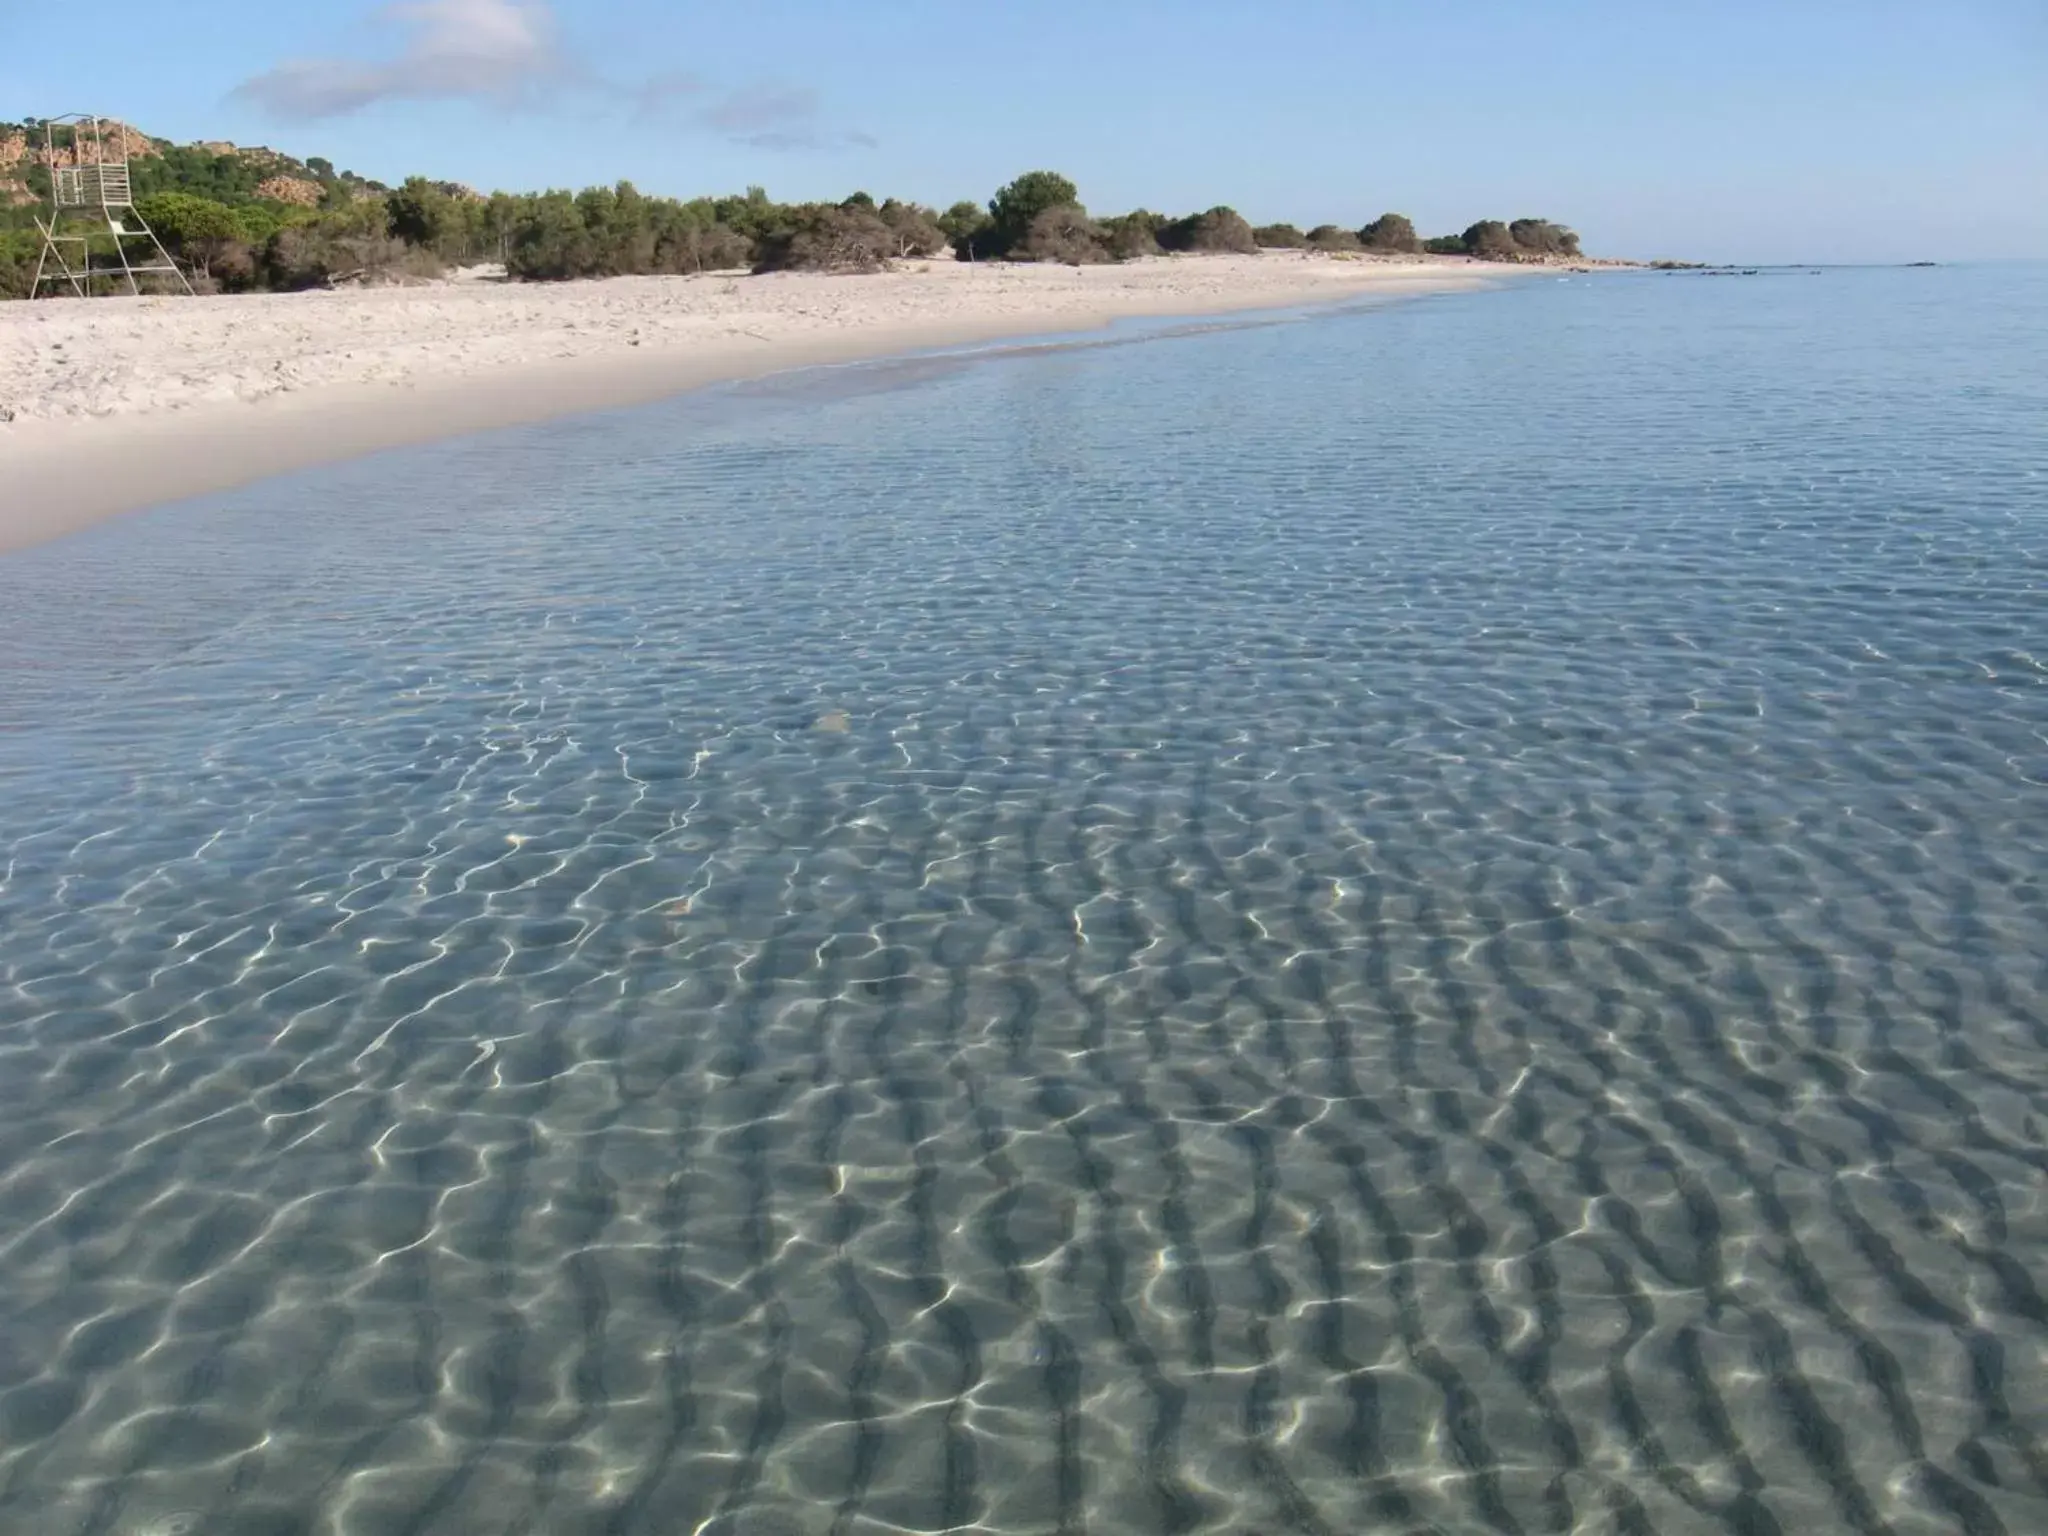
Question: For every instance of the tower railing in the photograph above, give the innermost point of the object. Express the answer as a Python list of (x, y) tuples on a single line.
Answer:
[(92, 213)]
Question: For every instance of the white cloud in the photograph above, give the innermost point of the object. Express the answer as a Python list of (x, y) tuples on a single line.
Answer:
[(509, 52), (481, 49), (764, 116), (662, 89), (763, 109)]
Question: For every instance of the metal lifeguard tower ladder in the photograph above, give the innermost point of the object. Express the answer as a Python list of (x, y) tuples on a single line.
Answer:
[(92, 205)]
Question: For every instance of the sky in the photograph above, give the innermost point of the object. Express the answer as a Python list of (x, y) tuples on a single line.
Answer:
[(1743, 130)]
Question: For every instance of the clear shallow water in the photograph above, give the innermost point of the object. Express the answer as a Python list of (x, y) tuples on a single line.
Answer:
[(1429, 921)]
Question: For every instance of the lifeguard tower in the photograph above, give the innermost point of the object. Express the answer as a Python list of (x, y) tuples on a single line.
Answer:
[(93, 231)]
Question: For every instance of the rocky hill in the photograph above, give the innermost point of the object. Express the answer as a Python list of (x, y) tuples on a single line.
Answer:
[(211, 168), (21, 146)]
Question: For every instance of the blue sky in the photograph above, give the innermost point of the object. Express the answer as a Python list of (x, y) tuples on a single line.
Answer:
[(1795, 130)]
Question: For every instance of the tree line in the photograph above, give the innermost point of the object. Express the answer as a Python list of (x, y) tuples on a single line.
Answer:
[(232, 240)]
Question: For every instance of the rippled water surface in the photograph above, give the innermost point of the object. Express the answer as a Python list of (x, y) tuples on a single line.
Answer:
[(1432, 920)]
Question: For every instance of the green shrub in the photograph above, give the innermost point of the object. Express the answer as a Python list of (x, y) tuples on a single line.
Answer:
[(1130, 236), (1390, 232), (420, 213), (1543, 238), (829, 239), (703, 248), (915, 228), (1217, 232), (1015, 208), (18, 252), (257, 222), (1489, 240), (549, 241), (1064, 234), (963, 223), (352, 245), (195, 229)]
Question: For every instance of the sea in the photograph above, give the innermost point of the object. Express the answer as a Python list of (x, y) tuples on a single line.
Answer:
[(1423, 918)]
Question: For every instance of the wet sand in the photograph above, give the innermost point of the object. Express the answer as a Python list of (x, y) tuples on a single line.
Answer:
[(119, 404)]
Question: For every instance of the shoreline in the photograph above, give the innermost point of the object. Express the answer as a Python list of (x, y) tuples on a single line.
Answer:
[(131, 430)]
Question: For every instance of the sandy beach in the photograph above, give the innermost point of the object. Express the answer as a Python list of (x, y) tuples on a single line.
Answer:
[(110, 405)]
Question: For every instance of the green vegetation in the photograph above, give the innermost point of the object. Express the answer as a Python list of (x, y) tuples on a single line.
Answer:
[(17, 262), (915, 230), (1390, 232), (1220, 231), (1523, 240), (1130, 236), (1063, 233), (242, 219), (962, 222), (340, 246), (1014, 209), (856, 236), (1489, 240), (197, 226), (234, 217), (1543, 238)]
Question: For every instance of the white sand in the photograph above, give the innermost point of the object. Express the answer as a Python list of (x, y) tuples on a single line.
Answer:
[(107, 405)]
